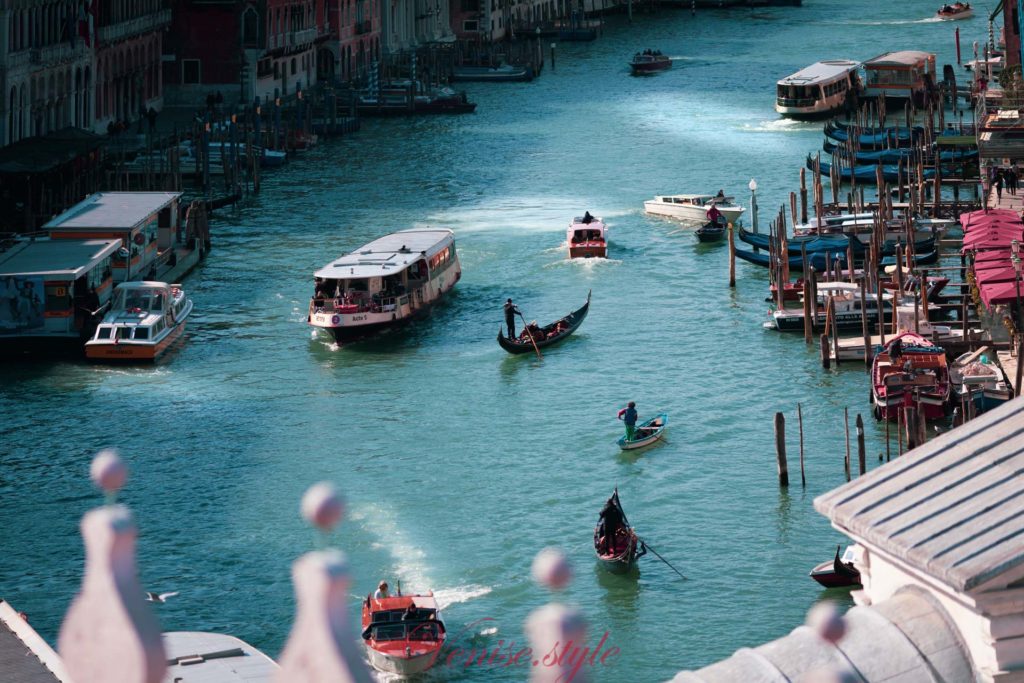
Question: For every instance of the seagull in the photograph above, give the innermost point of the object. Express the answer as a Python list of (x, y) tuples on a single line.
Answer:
[(159, 597)]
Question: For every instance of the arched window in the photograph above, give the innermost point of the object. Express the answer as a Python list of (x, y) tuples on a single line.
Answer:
[(250, 27)]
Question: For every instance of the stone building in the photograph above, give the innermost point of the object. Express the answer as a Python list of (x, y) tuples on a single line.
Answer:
[(355, 38), (938, 546), (410, 24)]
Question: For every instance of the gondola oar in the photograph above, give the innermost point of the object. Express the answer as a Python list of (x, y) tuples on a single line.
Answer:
[(530, 335), (651, 548)]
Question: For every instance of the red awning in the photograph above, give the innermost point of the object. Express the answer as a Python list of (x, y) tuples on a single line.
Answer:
[(999, 293), (991, 239), (1004, 274), (994, 264), (975, 218), (983, 256)]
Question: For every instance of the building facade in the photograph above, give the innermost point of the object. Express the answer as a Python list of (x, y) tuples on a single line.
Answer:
[(46, 67), (246, 50), (129, 45), (409, 24), (355, 39)]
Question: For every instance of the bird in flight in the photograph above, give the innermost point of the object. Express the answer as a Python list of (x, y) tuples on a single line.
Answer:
[(159, 597)]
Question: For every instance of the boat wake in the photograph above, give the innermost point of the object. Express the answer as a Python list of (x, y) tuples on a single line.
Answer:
[(453, 596), (587, 264), (897, 22), (781, 125)]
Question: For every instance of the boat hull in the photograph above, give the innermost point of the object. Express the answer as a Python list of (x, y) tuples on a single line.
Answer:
[(690, 213), (647, 68), (647, 440), (129, 351), (401, 665), (826, 575), (588, 251)]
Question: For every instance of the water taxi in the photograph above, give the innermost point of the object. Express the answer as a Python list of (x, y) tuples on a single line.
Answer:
[(820, 89), (693, 207), (145, 318), (404, 634), (904, 75), (649, 62), (957, 10), (587, 237), (384, 284), (910, 372)]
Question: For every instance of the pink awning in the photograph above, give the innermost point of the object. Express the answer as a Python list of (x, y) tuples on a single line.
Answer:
[(975, 218), (999, 293), (983, 256), (994, 264), (1005, 274), (991, 239)]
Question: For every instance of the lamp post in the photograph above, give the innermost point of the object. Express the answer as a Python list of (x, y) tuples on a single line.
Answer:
[(1015, 259), (753, 203)]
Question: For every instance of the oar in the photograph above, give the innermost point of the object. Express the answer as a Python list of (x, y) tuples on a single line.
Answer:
[(651, 548), (530, 335)]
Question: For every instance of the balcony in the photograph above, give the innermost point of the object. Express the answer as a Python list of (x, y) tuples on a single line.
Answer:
[(134, 27), (304, 37), (52, 55)]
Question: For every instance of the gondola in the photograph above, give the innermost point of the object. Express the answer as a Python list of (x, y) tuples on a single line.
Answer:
[(646, 433), (893, 156), (837, 573), (821, 260), (882, 139), (711, 231), (615, 542), (830, 243), (868, 173), (572, 321)]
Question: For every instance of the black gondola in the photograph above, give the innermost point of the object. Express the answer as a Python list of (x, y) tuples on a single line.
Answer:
[(571, 322), (615, 542), (711, 231)]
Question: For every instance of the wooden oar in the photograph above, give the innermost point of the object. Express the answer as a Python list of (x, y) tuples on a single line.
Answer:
[(530, 335), (651, 548)]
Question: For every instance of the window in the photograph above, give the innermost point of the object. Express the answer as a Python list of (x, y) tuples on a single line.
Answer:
[(190, 72), (293, 66), (470, 25), (250, 27), (104, 332), (142, 333)]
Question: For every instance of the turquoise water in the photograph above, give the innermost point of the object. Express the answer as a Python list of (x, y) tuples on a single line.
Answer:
[(458, 461)]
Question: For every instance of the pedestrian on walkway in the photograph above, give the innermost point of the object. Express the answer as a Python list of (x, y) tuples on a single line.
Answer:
[(998, 182), (1011, 179)]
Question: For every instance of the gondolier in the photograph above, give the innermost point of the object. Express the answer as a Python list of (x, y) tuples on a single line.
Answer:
[(628, 415), (511, 311)]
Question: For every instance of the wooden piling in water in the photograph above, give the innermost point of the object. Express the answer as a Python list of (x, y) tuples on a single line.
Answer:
[(800, 422), (846, 461), (865, 331), (803, 195), (732, 257), (807, 311), (887, 441), (862, 464), (780, 448)]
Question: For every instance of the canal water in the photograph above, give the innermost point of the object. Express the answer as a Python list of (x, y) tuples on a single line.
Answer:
[(458, 461)]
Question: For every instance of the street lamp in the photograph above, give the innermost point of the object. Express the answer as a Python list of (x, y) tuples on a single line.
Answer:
[(753, 203), (1015, 259)]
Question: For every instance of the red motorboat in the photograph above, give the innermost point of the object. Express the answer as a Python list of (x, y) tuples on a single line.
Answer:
[(648, 62), (586, 237), (837, 573), (958, 10), (910, 371), (403, 634)]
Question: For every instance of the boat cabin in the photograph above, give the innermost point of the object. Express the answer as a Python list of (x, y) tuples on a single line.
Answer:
[(53, 289), (413, 617), (385, 274), (900, 75), (144, 222), (701, 200), (818, 90)]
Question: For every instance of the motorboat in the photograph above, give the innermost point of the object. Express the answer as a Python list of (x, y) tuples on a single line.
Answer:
[(694, 207), (957, 10), (500, 73), (649, 62), (839, 572), (845, 297), (646, 433), (404, 634), (819, 90), (979, 381), (384, 284), (615, 542), (587, 237), (145, 318), (540, 337), (910, 372)]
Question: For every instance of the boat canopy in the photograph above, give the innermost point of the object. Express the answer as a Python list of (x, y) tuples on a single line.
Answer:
[(821, 72), (388, 255), (145, 296), (898, 59), (696, 199)]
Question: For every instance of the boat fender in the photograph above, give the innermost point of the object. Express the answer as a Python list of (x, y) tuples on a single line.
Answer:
[(335, 319)]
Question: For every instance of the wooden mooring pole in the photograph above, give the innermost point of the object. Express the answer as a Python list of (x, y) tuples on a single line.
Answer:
[(862, 464), (800, 421), (846, 421), (732, 257), (780, 448)]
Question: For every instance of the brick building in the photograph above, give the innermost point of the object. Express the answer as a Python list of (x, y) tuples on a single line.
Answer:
[(355, 38)]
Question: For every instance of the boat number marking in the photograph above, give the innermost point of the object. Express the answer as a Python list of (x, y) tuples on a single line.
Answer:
[(358, 317)]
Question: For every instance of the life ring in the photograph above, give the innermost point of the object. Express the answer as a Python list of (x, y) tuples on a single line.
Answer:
[(335, 319)]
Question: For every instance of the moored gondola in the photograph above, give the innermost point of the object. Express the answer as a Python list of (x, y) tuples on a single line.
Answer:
[(548, 335), (712, 231), (837, 573), (615, 542)]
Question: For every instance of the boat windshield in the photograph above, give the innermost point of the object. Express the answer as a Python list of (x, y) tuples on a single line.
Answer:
[(139, 299), (423, 630)]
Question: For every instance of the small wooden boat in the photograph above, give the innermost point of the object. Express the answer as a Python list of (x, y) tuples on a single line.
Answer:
[(958, 10), (646, 433), (910, 371), (548, 335), (615, 541), (145, 318), (711, 231), (837, 573), (977, 380), (649, 62), (587, 237), (404, 634)]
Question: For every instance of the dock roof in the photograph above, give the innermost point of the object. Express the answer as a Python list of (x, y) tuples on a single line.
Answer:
[(901, 58), (112, 210), (387, 255), (950, 508), (820, 71), (197, 657), (24, 656), (67, 258)]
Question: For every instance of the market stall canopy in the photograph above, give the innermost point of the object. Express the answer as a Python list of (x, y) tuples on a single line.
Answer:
[(999, 293)]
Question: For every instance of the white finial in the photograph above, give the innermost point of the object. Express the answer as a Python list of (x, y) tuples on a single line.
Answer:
[(320, 648), (109, 634), (551, 569), (555, 630), (108, 471), (824, 618), (322, 506)]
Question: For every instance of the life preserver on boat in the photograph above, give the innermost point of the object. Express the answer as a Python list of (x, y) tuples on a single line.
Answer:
[(335, 319)]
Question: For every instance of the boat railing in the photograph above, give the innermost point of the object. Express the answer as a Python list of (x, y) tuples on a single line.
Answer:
[(796, 101)]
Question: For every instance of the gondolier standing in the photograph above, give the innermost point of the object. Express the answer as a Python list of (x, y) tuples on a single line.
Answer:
[(628, 415), (510, 318)]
